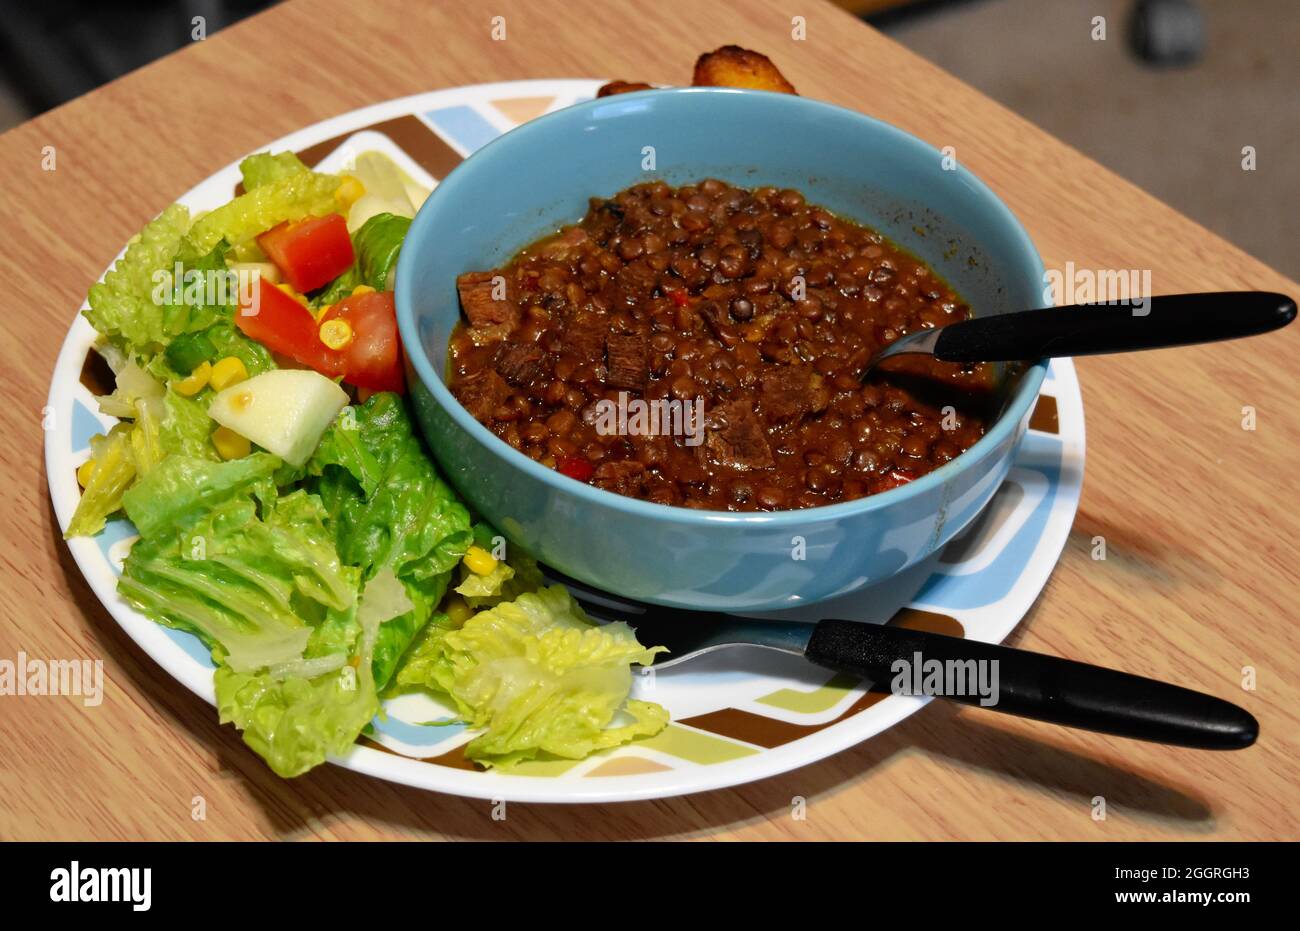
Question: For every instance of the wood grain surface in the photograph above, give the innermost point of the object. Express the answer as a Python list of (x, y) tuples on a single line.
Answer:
[(1198, 514)]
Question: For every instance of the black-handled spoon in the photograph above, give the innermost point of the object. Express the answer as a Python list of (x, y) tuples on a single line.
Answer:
[(1090, 329)]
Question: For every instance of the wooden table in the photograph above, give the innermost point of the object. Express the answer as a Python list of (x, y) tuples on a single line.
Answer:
[(1198, 514)]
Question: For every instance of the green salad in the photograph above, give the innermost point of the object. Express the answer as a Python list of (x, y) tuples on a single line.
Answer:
[(289, 513)]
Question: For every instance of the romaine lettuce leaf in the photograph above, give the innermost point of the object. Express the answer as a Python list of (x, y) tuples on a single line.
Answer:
[(266, 168), (409, 520), (377, 244), (111, 476), (388, 190), (390, 513), (337, 289), (193, 293), (538, 677), (164, 423), (510, 578), (132, 383), (251, 587), (295, 721), (181, 487), (122, 306), (479, 587), (291, 196)]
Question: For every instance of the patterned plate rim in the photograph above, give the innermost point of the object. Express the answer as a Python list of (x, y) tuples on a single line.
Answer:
[(459, 120)]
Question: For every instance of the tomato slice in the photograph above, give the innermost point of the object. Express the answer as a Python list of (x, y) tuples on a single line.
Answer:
[(372, 358), (310, 252), (283, 325)]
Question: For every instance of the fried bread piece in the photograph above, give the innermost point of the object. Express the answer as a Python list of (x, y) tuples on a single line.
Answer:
[(733, 66)]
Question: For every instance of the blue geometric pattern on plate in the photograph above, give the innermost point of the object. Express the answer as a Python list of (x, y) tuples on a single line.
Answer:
[(423, 736), (1039, 453), (115, 531), (84, 426), (191, 645), (464, 126)]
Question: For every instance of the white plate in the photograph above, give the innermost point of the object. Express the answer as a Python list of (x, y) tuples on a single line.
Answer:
[(737, 715)]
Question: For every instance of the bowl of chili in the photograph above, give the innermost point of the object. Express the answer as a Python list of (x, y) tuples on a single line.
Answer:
[(724, 259)]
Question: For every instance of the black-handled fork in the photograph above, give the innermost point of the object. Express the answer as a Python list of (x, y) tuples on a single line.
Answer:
[(1031, 685)]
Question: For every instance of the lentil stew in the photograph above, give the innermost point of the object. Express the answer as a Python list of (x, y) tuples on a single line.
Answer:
[(744, 317)]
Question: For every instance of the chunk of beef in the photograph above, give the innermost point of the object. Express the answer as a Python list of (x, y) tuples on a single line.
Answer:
[(483, 302), (521, 365), (483, 394), (628, 361), (562, 245), (791, 392), (585, 339), (624, 476), (734, 438)]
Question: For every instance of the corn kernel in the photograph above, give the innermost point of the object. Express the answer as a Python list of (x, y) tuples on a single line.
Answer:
[(479, 561), (229, 371), (335, 334), (288, 289), (196, 381), (85, 471), (349, 191), (458, 611), (362, 289), (229, 444)]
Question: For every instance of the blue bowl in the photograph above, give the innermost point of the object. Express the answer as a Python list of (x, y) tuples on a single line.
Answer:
[(539, 177)]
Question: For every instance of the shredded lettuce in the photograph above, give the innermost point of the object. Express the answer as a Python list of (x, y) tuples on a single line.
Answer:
[(538, 677)]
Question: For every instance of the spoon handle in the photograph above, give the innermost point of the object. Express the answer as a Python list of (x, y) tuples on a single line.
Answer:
[(1089, 329)]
